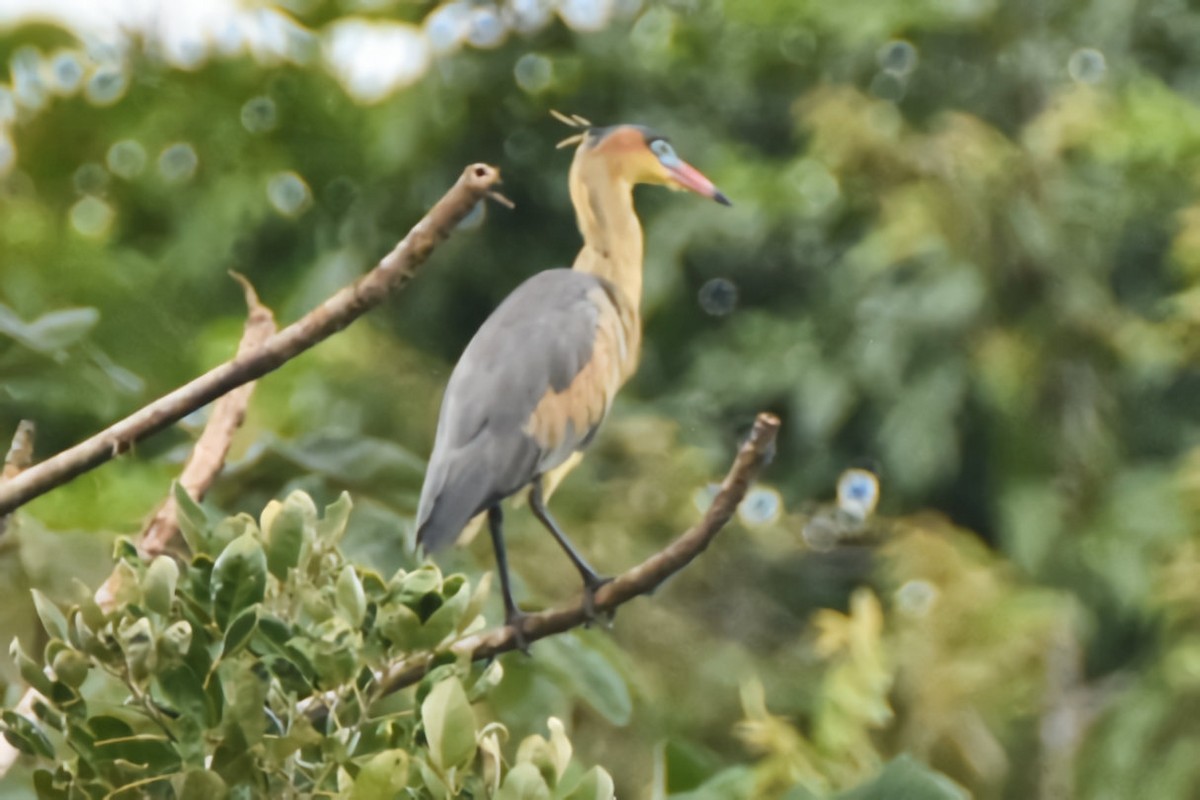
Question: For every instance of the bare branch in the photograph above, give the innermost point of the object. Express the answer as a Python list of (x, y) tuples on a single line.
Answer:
[(20, 456), (641, 579), (393, 272), (208, 456), (1071, 705)]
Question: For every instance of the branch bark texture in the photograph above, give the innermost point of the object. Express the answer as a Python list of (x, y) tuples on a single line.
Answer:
[(20, 454), (208, 456), (641, 579), (395, 270)]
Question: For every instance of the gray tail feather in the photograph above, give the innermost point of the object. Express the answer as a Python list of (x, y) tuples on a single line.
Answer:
[(453, 493)]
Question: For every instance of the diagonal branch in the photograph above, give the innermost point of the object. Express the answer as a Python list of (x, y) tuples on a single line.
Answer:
[(208, 455), (641, 579), (393, 272)]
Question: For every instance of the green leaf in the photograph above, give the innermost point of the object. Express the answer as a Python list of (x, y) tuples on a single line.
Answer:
[(202, 784), (523, 782), (125, 585), (552, 756), (192, 521), (180, 688), (245, 691), (734, 783), (51, 332), (92, 614), (48, 715), (399, 624), (239, 632), (410, 587), (592, 674), (596, 784), (449, 615), (235, 762), (351, 600), (84, 637), (176, 640), (488, 680), (267, 518), (46, 787), (300, 734), (158, 585), (199, 581), (685, 764), (298, 650), (71, 667), (382, 777), (316, 605), (25, 735), (81, 740), (106, 726), (373, 583), (355, 460), (288, 526), (479, 598), (336, 660), (30, 670), (274, 630), (332, 527), (214, 690), (125, 550), (294, 678), (53, 620), (446, 668), (53, 648), (230, 528), (434, 784), (58, 329), (67, 699), (137, 643), (449, 724), (905, 778), (239, 578), (151, 752)]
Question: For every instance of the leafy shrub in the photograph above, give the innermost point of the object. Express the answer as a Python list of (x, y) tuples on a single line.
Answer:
[(250, 671)]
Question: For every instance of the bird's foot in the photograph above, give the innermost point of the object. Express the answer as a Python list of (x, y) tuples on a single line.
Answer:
[(515, 619), (590, 587)]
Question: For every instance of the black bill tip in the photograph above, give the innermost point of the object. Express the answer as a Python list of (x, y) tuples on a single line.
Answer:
[(721, 198)]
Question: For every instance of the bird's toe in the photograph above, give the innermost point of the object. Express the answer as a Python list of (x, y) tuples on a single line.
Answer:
[(516, 621), (590, 587)]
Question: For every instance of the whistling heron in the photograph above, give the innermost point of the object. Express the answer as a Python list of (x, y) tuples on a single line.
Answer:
[(540, 374)]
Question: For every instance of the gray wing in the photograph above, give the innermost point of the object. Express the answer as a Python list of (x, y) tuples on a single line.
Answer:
[(530, 388)]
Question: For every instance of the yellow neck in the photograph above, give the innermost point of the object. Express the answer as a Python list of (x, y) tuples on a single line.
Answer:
[(612, 235)]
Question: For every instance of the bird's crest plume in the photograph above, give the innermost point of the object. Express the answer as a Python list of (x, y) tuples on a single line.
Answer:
[(571, 121)]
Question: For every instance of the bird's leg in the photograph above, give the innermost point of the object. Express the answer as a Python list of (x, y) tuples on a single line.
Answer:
[(513, 616), (591, 579)]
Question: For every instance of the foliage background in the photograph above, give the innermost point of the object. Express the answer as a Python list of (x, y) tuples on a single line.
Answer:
[(965, 244)]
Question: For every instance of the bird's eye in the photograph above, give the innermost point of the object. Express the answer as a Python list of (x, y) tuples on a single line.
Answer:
[(664, 151)]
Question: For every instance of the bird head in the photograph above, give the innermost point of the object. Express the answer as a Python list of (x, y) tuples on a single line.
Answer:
[(639, 155)]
